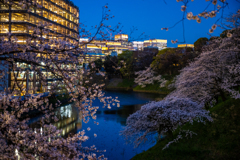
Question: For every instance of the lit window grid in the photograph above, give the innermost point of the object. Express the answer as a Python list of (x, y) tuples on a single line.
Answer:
[(60, 24), (20, 23), (31, 20)]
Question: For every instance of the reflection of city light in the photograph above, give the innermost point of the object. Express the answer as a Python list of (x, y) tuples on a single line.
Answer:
[(66, 111), (63, 132)]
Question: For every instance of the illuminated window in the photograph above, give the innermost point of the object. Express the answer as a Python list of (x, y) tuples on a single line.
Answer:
[(4, 7), (4, 17), (19, 17), (18, 28), (4, 28)]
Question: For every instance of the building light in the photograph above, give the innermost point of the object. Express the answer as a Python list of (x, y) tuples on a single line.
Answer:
[(186, 45)]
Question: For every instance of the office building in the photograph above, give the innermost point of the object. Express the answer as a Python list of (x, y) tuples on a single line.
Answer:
[(61, 18), (157, 43)]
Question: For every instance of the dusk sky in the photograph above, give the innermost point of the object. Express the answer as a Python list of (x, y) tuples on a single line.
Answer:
[(150, 16)]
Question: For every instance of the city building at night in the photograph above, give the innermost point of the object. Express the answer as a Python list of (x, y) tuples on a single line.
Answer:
[(185, 45), (121, 37), (63, 16), (138, 45), (60, 16), (158, 43), (119, 45)]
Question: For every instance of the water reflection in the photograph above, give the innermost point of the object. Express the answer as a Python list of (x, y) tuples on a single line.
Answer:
[(70, 119), (110, 122)]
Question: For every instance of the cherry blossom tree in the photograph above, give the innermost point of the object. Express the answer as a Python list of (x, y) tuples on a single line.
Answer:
[(63, 62), (214, 9), (214, 73), (162, 117), (147, 76)]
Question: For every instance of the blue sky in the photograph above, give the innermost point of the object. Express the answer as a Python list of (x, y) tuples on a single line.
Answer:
[(150, 16)]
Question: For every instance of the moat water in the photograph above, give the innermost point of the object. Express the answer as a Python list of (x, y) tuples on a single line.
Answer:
[(111, 122)]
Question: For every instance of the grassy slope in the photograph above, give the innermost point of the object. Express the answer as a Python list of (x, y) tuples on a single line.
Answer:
[(156, 86), (129, 84), (217, 140), (152, 87)]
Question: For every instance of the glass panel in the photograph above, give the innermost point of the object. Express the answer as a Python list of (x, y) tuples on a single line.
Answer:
[(45, 4), (31, 8), (39, 1), (39, 11), (50, 16), (4, 7), (4, 28), (45, 14), (63, 22), (30, 29), (4, 17), (38, 21), (60, 12), (50, 7), (17, 7), (19, 17), (32, 19), (21, 40), (18, 28)]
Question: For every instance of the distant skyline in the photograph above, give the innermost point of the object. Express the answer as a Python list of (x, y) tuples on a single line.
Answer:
[(150, 16)]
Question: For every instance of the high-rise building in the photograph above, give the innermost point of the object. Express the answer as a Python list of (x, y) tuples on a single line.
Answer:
[(61, 17)]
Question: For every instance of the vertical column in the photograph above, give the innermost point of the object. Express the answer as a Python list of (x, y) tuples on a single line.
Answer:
[(48, 8), (9, 77), (42, 8), (27, 81), (35, 6), (34, 82), (10, 19), (9, 30)]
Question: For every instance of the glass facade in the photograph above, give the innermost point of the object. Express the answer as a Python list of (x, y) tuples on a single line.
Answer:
[(157, 43), (62, 17)]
